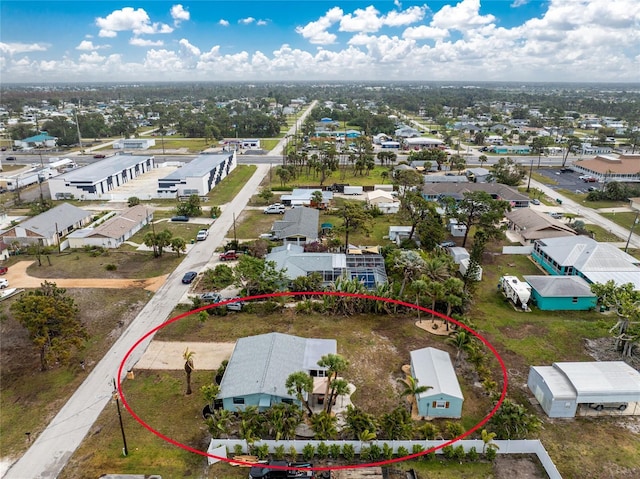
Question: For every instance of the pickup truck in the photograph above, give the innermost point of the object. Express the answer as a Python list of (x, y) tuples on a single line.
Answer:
[(261, 472)]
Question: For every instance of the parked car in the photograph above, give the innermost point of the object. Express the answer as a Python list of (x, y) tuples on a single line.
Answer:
[(447, 244), (276, 209), (211, 297), (228, 255), (99, 155), (535, 201), (180, 218), (188, 277), (620, 406), (4, 283), (237, 306), (4, 269), (10, 158), (202, 235), (590, 179)]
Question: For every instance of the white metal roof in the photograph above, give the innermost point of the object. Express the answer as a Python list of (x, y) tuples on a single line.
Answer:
[(592, 379), (433, 367)]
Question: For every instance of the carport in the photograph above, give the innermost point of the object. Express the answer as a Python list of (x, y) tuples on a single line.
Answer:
[(563, 387)]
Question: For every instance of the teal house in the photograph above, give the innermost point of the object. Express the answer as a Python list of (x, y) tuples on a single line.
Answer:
[(433, 367), (561, 293), (260, 365)]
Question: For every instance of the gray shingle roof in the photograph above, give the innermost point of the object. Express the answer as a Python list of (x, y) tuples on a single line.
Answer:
[(300, 221), (458, 189), (536, 225), (261, 364)]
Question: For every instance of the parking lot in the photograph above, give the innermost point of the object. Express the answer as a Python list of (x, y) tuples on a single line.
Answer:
[(569, 180)]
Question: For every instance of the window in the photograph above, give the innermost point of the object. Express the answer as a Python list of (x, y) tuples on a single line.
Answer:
[(440, 404), (238, 400), (287, 401)]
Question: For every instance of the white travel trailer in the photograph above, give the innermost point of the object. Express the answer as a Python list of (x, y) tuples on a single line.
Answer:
[(517, 291)]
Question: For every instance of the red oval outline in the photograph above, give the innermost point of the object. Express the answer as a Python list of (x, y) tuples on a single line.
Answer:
[(316, 293)]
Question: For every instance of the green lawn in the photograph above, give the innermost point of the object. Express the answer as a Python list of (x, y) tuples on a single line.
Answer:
[(625, 219), (231, 185), (602, 234), (268, 143), (344, 175)]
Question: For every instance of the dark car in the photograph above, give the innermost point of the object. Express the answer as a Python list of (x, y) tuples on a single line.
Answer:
[(180, 218), (189, 277), (10, 158), (99, 155)]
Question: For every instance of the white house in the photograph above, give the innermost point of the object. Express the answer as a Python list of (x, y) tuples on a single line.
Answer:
[(383, 200)]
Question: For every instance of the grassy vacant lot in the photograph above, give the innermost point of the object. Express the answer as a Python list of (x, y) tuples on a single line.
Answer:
[(231, 185), (29, 398), (625, 219), (344, 175)]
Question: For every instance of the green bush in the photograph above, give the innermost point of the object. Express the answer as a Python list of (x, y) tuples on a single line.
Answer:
[(308, 451), (448, 452), (278, 453), (402, 451), (458, 453), (334, 451), (110, 267), (237, 450), (365, 453), (323, 451), (293, 454), (387, 451), (472, 455), (374, 452), (262, 451), (491, 454), (348, 452)]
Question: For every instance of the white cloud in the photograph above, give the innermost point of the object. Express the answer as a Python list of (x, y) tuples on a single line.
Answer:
[(462, 16), (519, 3), (247, 21), (595, 40), (424, 32), (179, 14), (128, 19), (223, 22), (261, 23), (87, 45), (92, 58), (16, 48), (141, 42), (316, 32)]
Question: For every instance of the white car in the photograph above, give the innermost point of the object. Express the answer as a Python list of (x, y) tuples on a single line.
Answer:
[(202, 235), (3, 283), (274, 210)]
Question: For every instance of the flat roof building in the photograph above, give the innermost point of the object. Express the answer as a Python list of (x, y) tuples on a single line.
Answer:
[(198, 177)]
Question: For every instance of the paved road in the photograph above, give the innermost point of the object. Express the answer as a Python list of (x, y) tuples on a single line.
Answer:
[(590, 215), (53, 448)]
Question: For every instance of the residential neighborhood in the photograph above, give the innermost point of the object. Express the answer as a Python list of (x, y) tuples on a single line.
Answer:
[(335, 280)]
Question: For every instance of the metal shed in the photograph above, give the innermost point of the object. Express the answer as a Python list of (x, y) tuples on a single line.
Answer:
[(562, 387)]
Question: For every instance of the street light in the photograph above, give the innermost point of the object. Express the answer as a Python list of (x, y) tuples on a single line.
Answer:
[(530, 173), (125, 451)]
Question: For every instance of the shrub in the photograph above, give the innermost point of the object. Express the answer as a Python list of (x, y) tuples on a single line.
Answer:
[(490, 454), (133, 201), (293, 454), (278, 453), (334, 451), (237, 450), (417, 449), (472, 455), (458, 453), (454, 429), (323, 451), (348, 452), (110, 267), (402, 451), (448, 452), (387, 451), (262, 451), (374, 452), (308, 451), (365, 453)]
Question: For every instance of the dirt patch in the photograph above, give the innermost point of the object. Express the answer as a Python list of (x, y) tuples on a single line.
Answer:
[(520, 466), (168, 355), (603, 349)]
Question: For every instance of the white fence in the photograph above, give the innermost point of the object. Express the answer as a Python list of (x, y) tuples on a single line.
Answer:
[(506, 447), (517, 249)]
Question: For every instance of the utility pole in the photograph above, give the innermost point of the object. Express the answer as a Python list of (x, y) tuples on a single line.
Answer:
[(635, 222), (125, 451), (530, 173)]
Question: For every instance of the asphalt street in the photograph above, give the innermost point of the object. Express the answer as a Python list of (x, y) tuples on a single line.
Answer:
[(53, 448)]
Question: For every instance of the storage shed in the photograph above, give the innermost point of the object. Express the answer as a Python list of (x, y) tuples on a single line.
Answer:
[(432, 367), (560, 388), (561, 293)]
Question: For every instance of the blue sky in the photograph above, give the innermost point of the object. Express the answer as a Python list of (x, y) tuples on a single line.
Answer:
[(470, 40)]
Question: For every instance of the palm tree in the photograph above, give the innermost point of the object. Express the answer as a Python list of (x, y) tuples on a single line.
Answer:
[(188, 367), (487, 439), (324, 426), (462, 340), (339, 387), (298, 383), (335, 364), (412, 390)]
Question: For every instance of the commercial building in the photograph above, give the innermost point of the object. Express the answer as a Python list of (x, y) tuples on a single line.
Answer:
[(198, 177)]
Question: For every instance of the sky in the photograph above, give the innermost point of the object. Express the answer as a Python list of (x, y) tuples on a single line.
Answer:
[(320, 40)]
